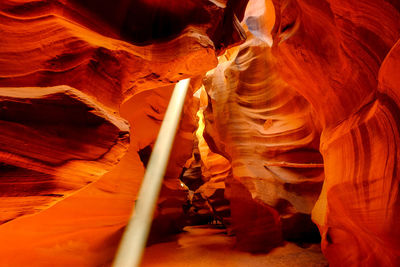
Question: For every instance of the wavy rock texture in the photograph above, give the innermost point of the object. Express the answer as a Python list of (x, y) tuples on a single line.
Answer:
[(209, 203), (267, 131), (90, 222), (98, 51), (219, 20), (51, 43), (60, 51), (67, 159), (343, 58), (324, 81), (215, 171), (81, 230), (146, 111)]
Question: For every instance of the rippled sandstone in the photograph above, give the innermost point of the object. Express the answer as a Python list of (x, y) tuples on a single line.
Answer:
[(342, 57), (267, 131), (72, 66), (309, 100)]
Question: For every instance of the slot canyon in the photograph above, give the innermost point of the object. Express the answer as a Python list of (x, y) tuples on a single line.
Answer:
[(285, 153)]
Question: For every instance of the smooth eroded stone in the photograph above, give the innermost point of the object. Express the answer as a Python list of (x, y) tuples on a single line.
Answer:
[(54, 141), (341, 56), (269, 133)]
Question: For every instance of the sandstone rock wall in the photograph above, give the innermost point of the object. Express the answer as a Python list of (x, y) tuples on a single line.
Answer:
[(268, 132), (340, 60), (66, 67), (311, 98), (340, 55)]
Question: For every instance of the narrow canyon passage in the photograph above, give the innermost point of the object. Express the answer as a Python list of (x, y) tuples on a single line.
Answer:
[(286, 153)]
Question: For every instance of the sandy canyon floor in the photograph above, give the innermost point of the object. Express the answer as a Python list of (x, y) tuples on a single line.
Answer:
[(210, 246)]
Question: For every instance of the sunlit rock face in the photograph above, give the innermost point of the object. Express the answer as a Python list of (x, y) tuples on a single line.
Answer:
[(309, 101), (145, 112), (342, 56), (84, 229), (267, 131), (206, 178), (67, 71)]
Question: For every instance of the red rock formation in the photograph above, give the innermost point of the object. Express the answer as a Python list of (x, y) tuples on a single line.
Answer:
[(44, 154), (91, 47), (341, 56), (323, 80), (81, 230), (61, 51), (267, 131), (145, 112), (89, 222), (209, 199), (216, 170)]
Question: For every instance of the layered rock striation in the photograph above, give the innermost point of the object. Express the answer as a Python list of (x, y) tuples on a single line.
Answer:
[(67, 71), (309, 101), (341, 56), (267, 131), (34, 120)]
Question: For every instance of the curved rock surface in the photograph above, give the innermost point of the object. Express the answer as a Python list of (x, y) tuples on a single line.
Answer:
[(145, 111), (68, 160), (311, 97), (267, 130), (97, 53), (62, 51), (84, 229), (342, 57), (209, 201)]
